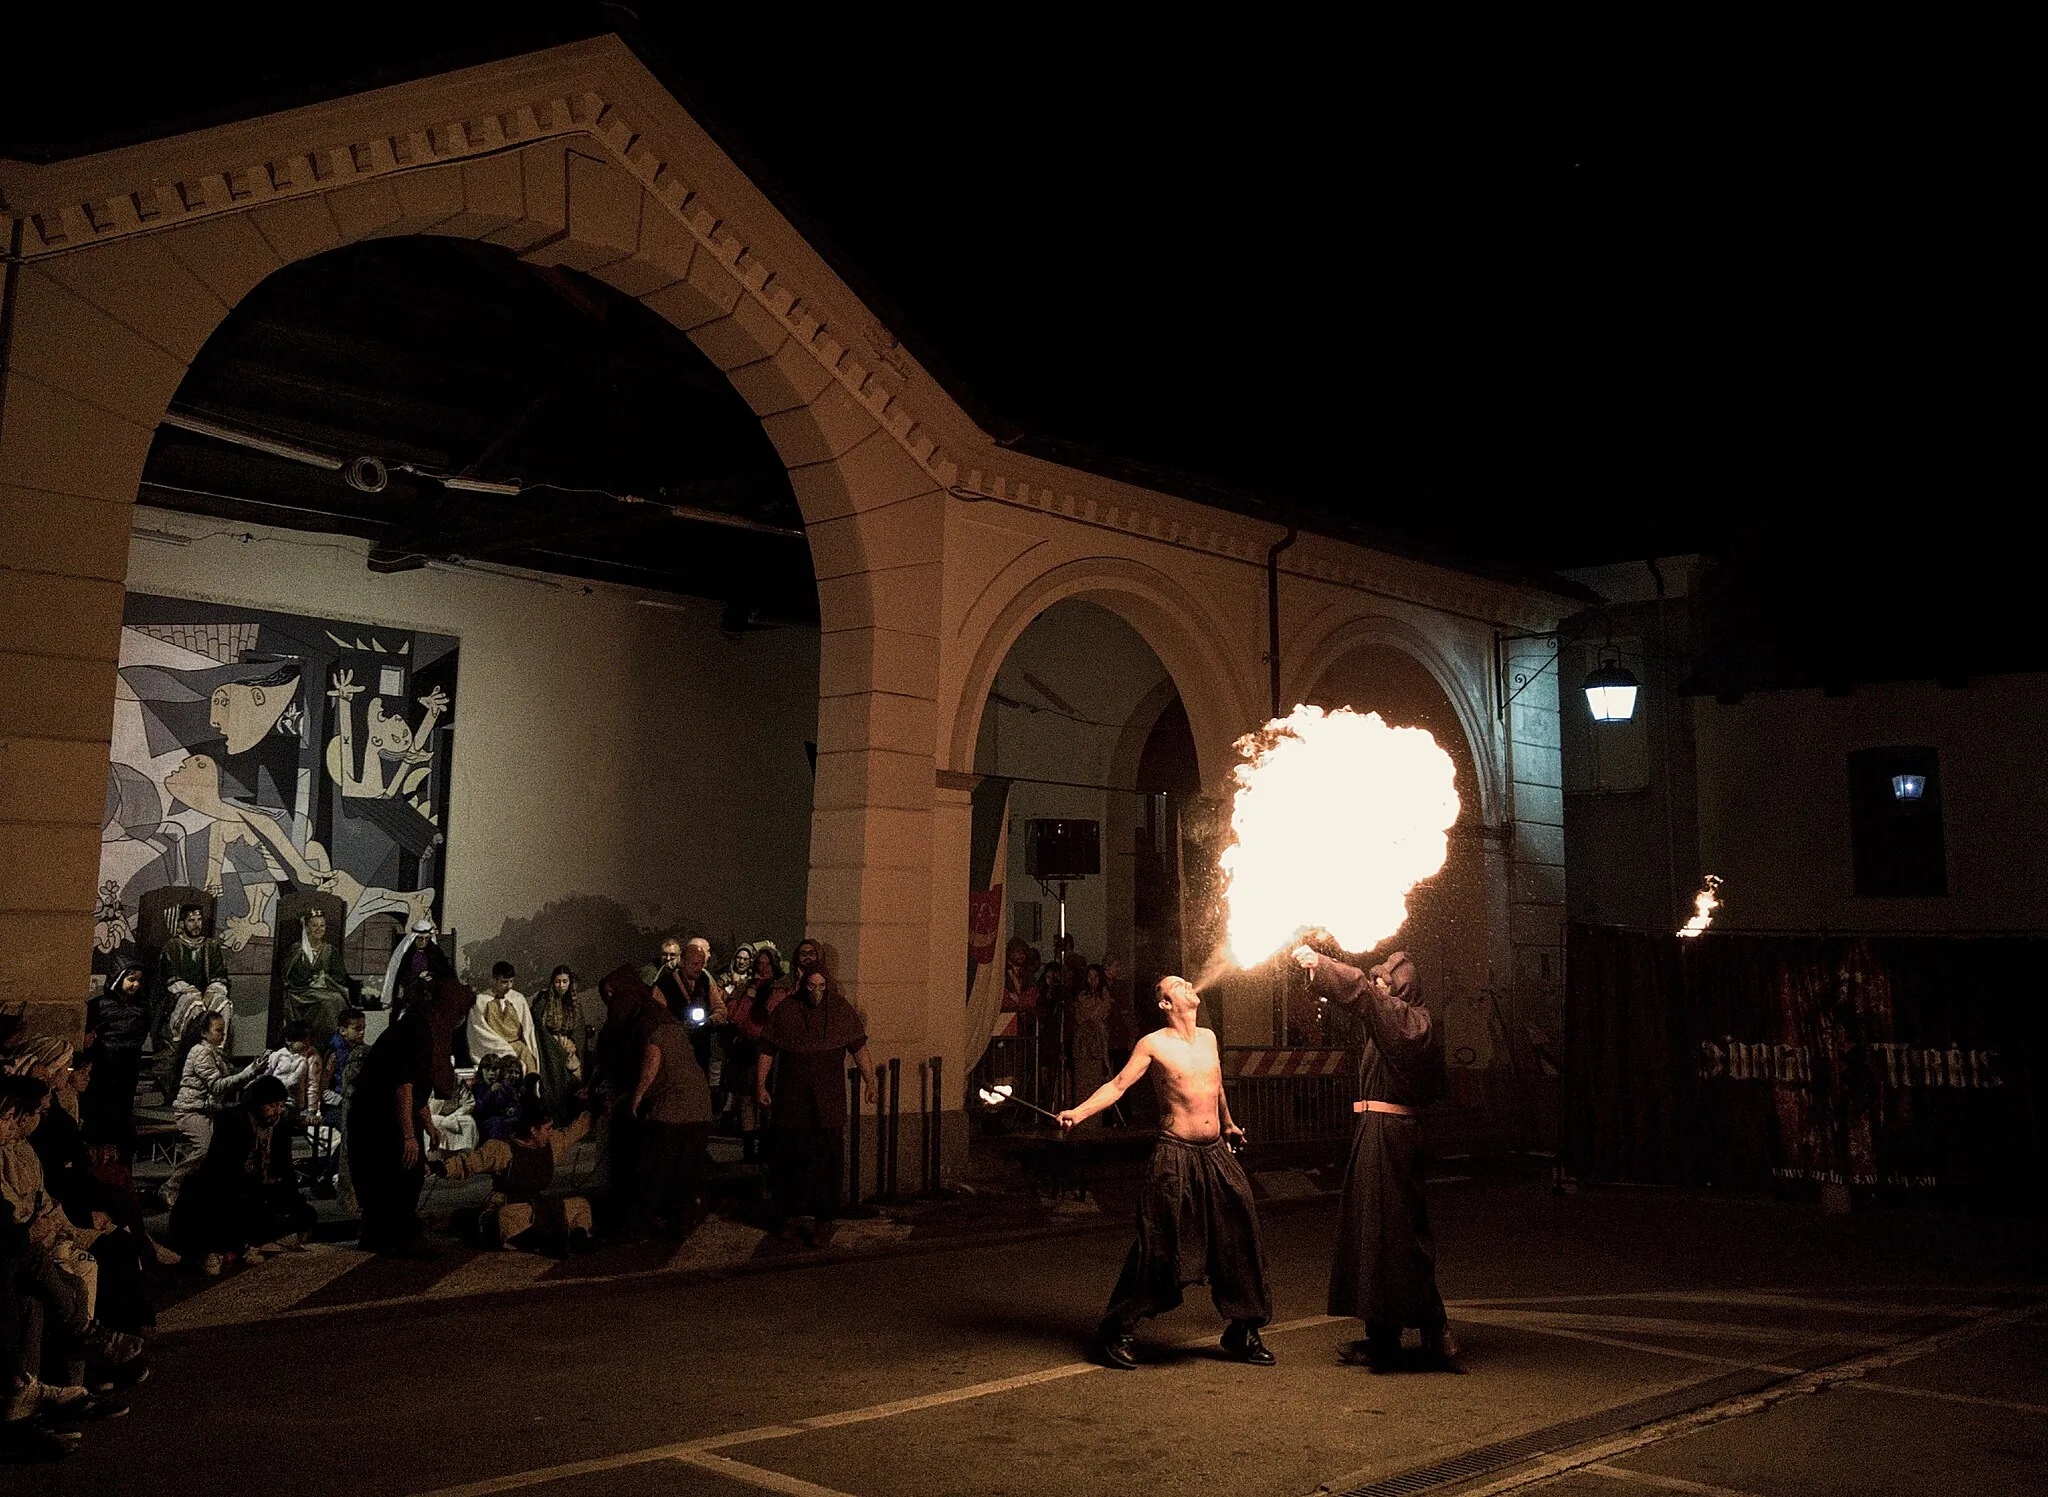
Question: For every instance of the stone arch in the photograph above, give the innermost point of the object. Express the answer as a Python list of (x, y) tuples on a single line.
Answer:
[(119, 286), (1467, 697), (1190, 646)]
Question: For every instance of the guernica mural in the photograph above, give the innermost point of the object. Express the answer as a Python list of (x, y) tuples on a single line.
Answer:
[(256, 754)]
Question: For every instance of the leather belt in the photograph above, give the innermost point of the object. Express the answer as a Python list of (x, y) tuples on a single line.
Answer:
[(1393, 1107)]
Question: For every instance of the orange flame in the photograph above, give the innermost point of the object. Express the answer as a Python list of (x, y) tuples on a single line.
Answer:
[(1704, 904), (1337, 817)]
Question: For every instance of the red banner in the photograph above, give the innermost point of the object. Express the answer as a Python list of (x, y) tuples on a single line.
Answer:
[(984, 923)]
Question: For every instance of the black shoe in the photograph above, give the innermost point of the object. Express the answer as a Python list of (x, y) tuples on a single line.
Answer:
[(1241, 1343), (579, 1241), (1117, 1352), (1373, 1355), (1442, 1352)]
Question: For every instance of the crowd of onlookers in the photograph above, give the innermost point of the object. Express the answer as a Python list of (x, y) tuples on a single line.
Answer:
[(462, 1083)]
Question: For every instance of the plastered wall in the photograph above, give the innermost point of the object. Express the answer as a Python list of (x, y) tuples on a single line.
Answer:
[(603, 747)]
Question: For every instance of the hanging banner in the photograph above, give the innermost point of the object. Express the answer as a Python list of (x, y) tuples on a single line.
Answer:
[(1900, 1067), (984, 924)]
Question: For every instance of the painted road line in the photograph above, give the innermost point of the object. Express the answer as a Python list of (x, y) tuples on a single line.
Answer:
[(1684, 1330), (1666, 1483), (1820, 1380), (490, 1273), (262, 1290), (1766, 1299), (717, 1243), (1482, 1317), (757, 1476), (1867, 1386), (690, 1450)]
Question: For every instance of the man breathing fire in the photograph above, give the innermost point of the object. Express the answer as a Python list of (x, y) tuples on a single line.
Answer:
[(1196, 1219)]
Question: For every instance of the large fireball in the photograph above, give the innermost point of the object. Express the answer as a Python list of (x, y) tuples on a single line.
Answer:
[(1337, 817)]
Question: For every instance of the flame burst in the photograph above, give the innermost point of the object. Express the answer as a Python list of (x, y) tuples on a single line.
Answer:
[(1704, 904), (1337, 817)]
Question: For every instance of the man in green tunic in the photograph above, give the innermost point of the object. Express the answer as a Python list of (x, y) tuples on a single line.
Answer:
[(316, 984), (191, 974)]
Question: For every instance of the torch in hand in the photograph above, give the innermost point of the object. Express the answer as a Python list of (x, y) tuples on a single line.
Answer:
[(997, 1096)]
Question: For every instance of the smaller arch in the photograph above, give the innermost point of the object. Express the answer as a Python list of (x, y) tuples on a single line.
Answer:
[(1167, 618), (1467, 697)]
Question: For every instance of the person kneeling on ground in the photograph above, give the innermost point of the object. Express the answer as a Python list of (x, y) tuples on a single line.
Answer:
[(521, 1214), (244, 1198)]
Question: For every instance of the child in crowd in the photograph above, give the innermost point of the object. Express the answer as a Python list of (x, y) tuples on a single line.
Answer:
[(497, 1091)]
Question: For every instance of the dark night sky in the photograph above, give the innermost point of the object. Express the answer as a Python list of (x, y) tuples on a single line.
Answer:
[(1533, 300)]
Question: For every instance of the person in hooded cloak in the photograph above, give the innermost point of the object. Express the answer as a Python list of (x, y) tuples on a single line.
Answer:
[(391, 1109), (803, 1046), (1384, 1270)]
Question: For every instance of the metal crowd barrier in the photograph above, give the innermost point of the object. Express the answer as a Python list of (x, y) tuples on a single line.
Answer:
[(1290, 1096)]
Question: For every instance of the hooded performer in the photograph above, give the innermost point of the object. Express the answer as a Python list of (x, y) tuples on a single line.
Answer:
[(804, 1042), (390, 1109), (621, 1047), (1196, 1219), (1384, 1272)]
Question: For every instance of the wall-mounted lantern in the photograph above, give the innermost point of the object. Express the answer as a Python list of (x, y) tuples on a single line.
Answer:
[(1611, 692), (1908, 786)]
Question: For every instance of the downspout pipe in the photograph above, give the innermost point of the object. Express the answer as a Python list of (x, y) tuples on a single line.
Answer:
[(1273, 611), (10, 288)]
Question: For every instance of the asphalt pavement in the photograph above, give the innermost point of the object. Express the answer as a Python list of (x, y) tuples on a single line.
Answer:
[(1617, 1341)]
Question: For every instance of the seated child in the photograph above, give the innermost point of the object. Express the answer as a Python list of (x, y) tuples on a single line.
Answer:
[(497, 1090), (521, 1214)]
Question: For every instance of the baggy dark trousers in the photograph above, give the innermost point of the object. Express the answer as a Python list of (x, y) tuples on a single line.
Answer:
[(1196, 1222), (1384, 1271)]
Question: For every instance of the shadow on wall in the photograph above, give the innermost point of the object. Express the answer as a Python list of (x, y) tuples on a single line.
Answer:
[(589, 933)]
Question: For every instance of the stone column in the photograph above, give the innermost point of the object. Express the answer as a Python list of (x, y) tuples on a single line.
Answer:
[(80, 396)]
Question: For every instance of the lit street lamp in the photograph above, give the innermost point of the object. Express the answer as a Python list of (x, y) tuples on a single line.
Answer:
[(1611, 693)]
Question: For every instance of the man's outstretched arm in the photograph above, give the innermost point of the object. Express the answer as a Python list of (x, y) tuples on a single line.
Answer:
[(1111, 1091)]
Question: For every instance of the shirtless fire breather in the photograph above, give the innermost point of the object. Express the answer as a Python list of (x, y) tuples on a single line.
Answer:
[(1196, 1219)]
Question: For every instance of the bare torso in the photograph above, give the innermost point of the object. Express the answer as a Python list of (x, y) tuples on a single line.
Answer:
[(1188, 1079)]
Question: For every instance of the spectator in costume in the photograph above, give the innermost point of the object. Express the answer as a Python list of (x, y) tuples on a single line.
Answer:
[(317, 986), (191, 972), (501, 1023), (416, 960), (567, 1048), (804, 1044)]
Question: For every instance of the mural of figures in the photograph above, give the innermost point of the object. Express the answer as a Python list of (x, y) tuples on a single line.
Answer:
[(257, 753)]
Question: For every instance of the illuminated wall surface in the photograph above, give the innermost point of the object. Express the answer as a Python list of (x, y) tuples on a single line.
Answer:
[(600, 749)]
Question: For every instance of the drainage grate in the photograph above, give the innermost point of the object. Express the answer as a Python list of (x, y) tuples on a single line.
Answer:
[(1490, 1458)]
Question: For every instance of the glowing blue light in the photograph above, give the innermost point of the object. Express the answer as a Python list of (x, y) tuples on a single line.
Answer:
[(1908, 786)]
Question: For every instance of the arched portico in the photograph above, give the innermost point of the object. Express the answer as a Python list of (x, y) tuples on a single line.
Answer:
[(117, 294), (1190, 643), (933, 547)]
